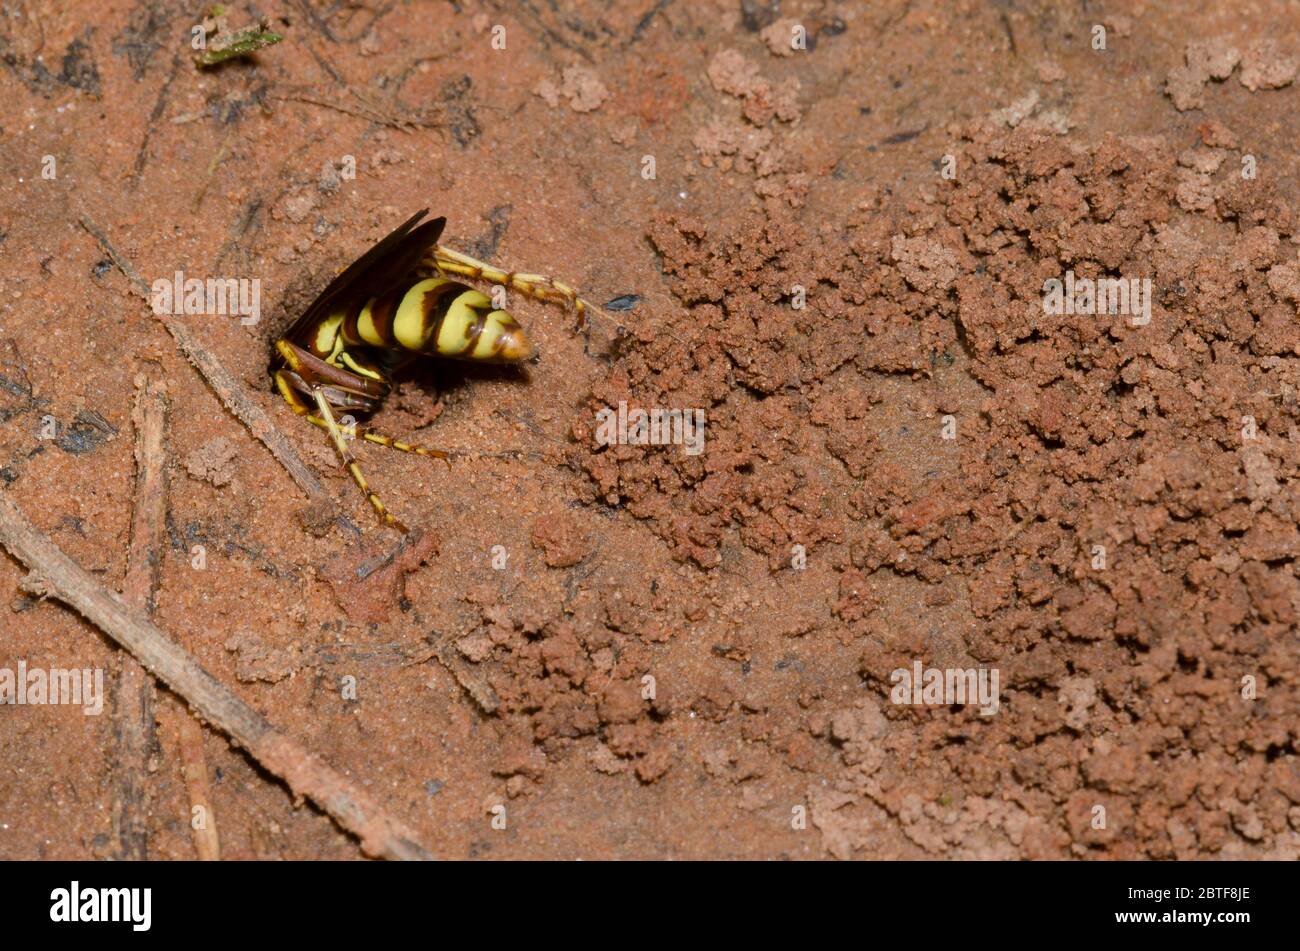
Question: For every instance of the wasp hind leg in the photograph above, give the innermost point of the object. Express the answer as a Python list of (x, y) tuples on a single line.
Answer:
[(536, 286)]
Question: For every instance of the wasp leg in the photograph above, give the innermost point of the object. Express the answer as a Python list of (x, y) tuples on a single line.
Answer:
[(304, 366), (537, 286), (351, 464), (293, 386), (295, 382), (290, 392), (382, 439)]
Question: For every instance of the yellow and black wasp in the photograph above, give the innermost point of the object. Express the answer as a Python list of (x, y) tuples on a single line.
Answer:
[(395, 304)]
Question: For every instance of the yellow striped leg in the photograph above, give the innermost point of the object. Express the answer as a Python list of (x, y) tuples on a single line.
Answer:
[(537, 286), (337, 436), (370, 435), (382, 439)]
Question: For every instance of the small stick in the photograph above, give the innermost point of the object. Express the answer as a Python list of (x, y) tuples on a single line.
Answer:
[(133, 707), (195, 770), (367, 112), (144, 559), (134, 738), (224, 384), (54, 574), (149, 517)]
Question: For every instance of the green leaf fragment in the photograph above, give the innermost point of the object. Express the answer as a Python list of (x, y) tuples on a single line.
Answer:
[(241, 43)]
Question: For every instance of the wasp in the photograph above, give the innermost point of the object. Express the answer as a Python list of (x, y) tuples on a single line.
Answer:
[(399, 302)]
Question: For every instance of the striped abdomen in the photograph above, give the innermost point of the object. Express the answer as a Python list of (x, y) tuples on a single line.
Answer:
[(434, 316)]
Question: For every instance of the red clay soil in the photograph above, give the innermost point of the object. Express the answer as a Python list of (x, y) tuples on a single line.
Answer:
[(838, 253)]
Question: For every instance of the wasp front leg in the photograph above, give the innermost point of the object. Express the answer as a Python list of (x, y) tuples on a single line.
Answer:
[(350, 463), (329, 387)]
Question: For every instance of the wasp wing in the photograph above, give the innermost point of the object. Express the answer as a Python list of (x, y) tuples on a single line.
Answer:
[(376, 271)]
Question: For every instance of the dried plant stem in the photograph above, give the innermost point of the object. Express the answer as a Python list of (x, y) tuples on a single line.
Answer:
[(231, 393), (144, 557), (194, 768), (133, 696), (133, 742)]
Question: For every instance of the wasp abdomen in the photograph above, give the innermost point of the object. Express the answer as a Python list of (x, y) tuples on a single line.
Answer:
[(437, 316)]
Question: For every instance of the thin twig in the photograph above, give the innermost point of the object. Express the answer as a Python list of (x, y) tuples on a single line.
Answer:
[(231, 393), (133, 706), (367, 112), (212, 169), (224, 384), (144, 560), (194, 768), (133, 740), (54, 574), (149, 516)]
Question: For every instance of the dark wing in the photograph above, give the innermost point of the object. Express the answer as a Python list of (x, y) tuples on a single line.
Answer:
[(376, 271)]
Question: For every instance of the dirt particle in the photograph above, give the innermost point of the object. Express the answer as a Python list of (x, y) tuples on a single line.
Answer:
[(1017, 112), (549, 91), (655, 764), (926, 264), (1265, 66), (213, 462), (296, 206), (731, 73), (561, 539), (583, 88), (256, 660), (779, 37), (1050, 71), (603, 760), (1077, 695), (1205, 60)]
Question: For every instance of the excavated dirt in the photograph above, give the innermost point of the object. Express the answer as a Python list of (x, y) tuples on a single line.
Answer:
[(838, 253)]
